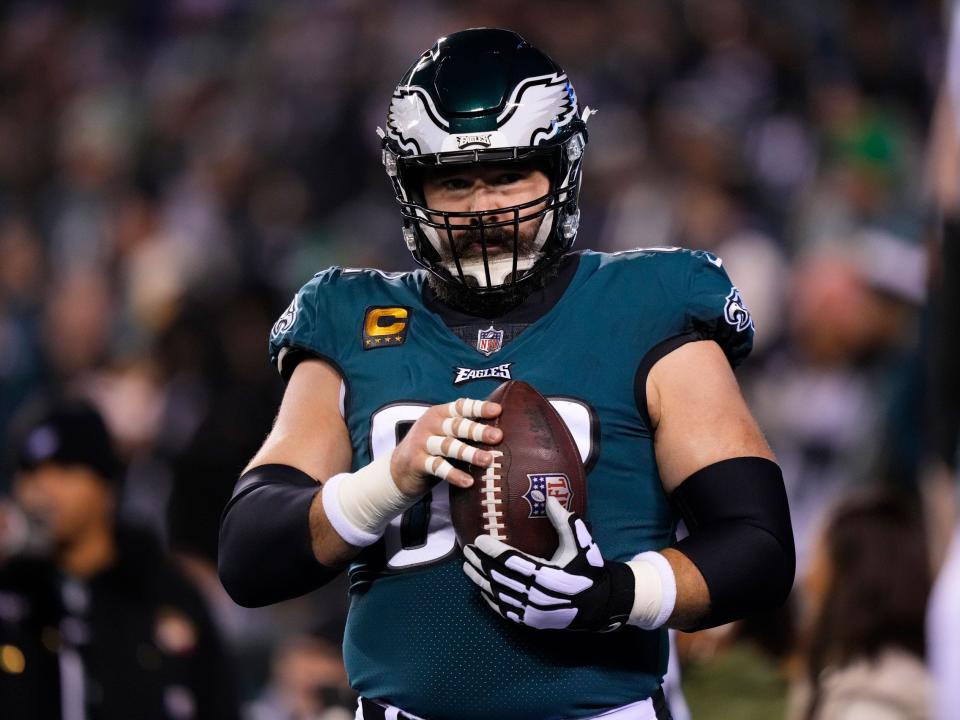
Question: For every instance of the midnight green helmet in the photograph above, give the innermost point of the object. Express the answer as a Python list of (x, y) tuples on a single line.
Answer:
[(486, 96)]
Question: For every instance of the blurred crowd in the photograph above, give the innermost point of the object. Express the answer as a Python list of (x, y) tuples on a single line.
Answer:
[(171, 172)]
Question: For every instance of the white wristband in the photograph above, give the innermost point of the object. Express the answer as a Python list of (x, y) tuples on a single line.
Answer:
[(655, 591), (359, 505)]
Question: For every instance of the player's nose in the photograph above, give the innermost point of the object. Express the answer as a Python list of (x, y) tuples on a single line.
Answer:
[(484, 199)]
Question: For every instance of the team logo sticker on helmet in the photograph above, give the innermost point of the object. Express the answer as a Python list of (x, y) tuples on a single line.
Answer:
[(465, 142), (287, 319), (489, 341), (385, 327), (735, 311), (546, 485)]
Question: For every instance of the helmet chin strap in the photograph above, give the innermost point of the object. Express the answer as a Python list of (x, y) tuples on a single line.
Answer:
[(500, 268)]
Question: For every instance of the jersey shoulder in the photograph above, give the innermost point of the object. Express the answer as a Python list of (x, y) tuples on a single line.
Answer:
[(336, 281), (322, 318), (668, 260), (690, 289)]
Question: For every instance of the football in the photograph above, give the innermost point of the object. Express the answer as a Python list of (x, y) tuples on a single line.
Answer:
[(538, 458)]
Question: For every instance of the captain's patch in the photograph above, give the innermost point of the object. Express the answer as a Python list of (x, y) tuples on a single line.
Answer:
[(385, 327)]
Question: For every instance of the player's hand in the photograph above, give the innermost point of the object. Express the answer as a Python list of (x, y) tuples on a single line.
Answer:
[(439, 434), (576, 589)]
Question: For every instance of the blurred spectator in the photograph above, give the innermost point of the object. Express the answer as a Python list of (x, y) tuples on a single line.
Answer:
[(864, 600), (307, 682), (94, 620), (827, 398)]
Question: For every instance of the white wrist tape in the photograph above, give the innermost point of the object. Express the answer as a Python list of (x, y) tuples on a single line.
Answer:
[(359, 505), (655, 591)]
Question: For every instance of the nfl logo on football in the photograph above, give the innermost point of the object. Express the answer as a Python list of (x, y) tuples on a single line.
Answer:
[(489, 340), (547, 485)]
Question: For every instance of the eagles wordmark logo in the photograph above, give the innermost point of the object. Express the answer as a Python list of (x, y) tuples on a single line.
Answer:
[(468, 141), (735, 311), (544, 485), (464, 375)]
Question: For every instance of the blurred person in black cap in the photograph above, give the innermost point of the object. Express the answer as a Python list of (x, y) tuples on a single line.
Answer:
[(95, 621)]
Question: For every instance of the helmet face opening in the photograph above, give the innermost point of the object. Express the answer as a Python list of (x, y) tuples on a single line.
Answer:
[(511, 240), (446, 113)]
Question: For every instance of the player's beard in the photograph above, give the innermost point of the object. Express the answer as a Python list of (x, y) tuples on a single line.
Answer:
[(499, 242)]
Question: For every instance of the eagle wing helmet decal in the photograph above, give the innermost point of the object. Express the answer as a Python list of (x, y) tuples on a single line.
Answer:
[(414, 122), (546, 103)]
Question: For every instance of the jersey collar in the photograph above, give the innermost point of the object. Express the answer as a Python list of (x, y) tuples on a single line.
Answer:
[(529, 311)]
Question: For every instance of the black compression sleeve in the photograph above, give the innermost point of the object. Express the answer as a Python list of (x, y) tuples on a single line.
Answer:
[(945, 349), (266, 553), (741, 539)]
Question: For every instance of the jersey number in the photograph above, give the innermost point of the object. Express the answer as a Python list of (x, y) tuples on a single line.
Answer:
[(424, 534)]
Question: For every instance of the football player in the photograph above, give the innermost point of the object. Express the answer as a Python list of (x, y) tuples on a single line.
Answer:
[(483, 143)]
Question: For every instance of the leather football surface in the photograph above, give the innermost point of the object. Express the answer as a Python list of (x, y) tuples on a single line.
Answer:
[(537, 458)]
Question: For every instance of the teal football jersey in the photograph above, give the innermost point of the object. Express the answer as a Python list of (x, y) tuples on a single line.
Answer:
[(418, 634)]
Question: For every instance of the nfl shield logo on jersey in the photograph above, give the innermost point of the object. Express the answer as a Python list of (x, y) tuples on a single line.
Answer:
[(547, 485), (489, 340)]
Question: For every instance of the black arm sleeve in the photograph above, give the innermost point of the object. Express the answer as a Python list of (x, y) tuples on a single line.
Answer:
[(945, 355), (266, 553), (741, 538)]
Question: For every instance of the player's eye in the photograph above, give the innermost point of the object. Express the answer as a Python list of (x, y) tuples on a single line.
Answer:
[(455, 183), (508, 178)]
